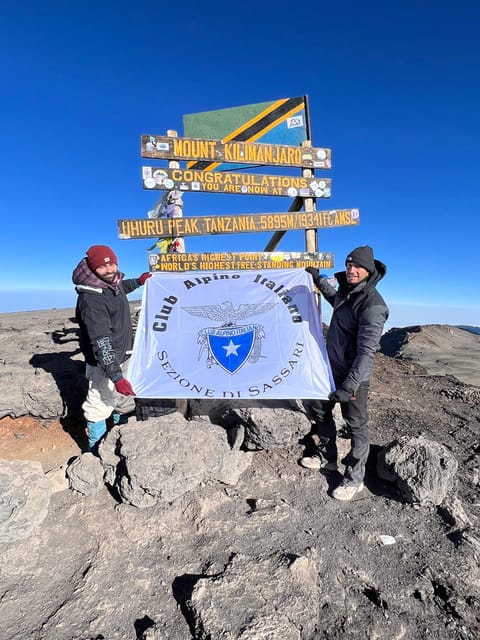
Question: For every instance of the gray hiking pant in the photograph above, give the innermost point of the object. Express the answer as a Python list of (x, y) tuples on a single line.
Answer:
[(355, 414)]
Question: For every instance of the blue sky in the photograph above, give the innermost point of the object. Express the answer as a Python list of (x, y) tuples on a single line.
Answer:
[(393, 88)]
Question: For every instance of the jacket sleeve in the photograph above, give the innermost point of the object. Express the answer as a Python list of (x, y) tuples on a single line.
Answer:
[(327, 291), (96, 319), (130, 285), (370, 329)]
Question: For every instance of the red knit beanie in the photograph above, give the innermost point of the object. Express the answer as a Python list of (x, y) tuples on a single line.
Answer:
[(100, 254)]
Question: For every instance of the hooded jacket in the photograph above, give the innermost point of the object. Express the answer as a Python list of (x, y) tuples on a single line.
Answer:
[(103, 314), (356, 326)]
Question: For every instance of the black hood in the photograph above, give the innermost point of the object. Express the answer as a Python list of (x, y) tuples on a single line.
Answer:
[(372, 280)]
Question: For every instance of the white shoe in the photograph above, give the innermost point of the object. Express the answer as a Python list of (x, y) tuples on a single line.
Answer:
[(347, 491), (315, 462)]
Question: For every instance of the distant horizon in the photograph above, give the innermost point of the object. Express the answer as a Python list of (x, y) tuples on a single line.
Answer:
[(402, 314)]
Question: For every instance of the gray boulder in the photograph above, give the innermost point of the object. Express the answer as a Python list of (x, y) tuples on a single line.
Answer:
[(41, 373), (265, 425), (29, 392), (160, 459), (85, 474), (423, 470)]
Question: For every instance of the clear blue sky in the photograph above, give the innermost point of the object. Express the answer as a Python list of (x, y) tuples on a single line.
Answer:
[(393, 90)]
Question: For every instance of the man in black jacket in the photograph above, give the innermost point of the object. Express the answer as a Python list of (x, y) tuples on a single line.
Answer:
[(353, 338), (106, 338)]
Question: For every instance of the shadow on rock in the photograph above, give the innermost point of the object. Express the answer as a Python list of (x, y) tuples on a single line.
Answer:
[(374, 483), (182, 589), (68, 375), (142, 624)]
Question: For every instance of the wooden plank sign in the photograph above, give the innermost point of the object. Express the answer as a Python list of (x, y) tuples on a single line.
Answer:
[(235, 183), (178, 262), (234, 152), (246, 223)]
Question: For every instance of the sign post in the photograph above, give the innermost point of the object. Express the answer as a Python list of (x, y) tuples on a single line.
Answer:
[(276, 134), (216, 145)]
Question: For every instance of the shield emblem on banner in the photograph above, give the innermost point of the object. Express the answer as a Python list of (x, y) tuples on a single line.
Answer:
[(231, 347)]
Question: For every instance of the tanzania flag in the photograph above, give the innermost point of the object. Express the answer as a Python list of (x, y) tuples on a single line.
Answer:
[(281, 121)]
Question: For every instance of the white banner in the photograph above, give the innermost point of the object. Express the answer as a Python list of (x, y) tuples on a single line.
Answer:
[(229, 335)]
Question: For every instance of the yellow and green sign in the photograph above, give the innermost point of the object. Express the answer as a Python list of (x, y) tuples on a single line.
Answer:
[(246, 223), (178, 262), (248, 153), (235, 183)]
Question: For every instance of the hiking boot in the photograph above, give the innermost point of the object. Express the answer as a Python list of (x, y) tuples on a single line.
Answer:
[(120, 418), (317, 462), (347, 491)]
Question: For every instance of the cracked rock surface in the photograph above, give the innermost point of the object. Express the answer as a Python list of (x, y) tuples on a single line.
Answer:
[(161, 540)]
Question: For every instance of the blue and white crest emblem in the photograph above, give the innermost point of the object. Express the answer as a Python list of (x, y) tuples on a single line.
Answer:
[(231, 345)]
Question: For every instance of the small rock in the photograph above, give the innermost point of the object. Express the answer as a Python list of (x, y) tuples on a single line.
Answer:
[(385, 540)]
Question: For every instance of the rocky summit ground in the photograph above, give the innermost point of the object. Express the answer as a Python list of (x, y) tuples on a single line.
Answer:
[(271, 556)]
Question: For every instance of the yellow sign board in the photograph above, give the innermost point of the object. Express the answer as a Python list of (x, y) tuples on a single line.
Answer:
[(235, 152), (178, 262), (246, 223), (235, 183)]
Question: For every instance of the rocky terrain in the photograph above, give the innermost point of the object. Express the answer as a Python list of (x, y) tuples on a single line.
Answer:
[(201, 524)]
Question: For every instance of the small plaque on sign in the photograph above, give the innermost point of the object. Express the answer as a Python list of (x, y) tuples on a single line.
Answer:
[(178, 262)]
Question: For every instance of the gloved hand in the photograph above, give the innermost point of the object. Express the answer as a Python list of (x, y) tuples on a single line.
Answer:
[(341, 395), (315, 275), (124, 387), (145, 276)]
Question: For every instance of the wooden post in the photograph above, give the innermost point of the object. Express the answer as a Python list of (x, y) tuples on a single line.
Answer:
[(308, 205), (311, 242), (174, 164), (311, 239), (181, 404)]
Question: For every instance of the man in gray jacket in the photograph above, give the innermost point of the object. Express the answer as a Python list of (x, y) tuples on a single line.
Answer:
[(353, 338)]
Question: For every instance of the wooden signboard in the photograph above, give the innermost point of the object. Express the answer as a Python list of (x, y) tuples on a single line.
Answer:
[(246, 223), (235, 183), (198, 262), (234, 152)]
